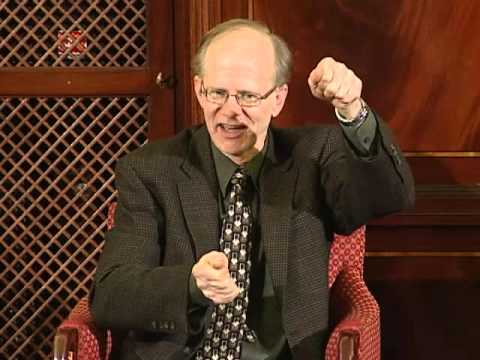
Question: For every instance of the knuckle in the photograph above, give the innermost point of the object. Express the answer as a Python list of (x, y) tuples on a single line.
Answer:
[(331, 88), (196, 272)]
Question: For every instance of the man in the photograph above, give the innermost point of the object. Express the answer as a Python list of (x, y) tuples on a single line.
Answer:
[(220, 248)]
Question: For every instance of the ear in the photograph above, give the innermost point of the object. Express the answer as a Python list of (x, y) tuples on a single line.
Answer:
[(197, 84), (280, 96)]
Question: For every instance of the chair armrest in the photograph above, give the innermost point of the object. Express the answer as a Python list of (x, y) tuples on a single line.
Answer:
[(65, 344), (77, 338), (355, 318)]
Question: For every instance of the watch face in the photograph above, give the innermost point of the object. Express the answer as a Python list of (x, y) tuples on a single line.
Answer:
[(363, 112)]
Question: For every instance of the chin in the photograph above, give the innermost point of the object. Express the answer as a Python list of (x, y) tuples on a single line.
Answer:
[(233, 151)]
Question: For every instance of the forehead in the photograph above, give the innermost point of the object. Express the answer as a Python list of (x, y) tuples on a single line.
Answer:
[(242, 57)]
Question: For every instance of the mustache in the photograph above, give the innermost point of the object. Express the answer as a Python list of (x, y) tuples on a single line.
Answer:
[(237, 122)]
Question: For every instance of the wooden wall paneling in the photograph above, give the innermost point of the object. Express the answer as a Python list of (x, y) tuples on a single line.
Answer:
[(428, 304), (403, 79), (416, 58), (379, 42)]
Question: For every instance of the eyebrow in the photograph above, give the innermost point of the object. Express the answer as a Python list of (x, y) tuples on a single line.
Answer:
[(243, 92)]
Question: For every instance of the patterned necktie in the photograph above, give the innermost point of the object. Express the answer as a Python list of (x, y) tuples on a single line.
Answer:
[(227, 326)]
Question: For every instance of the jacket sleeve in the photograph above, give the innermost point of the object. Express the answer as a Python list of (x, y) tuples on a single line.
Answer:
[(359, 187), (131, 291)]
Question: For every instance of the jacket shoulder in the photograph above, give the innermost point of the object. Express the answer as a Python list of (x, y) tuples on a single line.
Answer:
[(172, 148), (304, 141)]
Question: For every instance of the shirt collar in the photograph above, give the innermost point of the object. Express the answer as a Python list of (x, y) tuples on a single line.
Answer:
[(225, 167)]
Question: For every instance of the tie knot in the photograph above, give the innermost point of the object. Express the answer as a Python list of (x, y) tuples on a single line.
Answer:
[(239, 180), (240, 173)]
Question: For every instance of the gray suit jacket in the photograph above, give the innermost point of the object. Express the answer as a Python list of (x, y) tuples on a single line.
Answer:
[(312, 185)]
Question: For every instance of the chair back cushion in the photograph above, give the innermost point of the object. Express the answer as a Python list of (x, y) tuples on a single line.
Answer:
[(346, 251), (111, 215)]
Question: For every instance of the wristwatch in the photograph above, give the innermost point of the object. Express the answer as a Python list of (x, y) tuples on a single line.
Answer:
[(361, 117)]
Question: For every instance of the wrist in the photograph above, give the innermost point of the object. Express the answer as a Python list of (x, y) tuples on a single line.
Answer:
[(352, 110), (358, 117)]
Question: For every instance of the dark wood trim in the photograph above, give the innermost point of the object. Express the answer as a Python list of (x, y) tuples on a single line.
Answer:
[(430, 219), (449, 191), (440, 205), (75, 82), (237, 9), (420, 268), (446, 169), (183, 88), (420, 254), (204, 15), (192, 19), (444, 154), (160, 59), (445, 239)]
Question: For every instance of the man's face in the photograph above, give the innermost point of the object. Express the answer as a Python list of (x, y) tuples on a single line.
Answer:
[(240, 61)]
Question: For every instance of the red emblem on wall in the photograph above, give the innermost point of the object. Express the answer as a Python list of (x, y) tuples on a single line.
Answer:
[(74, 43)]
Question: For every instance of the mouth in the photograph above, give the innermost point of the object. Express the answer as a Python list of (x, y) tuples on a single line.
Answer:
[(232, 130)]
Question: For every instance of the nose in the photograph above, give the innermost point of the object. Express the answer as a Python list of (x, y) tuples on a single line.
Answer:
[(231, 105)]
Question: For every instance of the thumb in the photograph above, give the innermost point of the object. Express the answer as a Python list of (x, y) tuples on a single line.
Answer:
[(218, 260)]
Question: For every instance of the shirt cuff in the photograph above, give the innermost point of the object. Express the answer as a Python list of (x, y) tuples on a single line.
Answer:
[(361, 135), (195, 294)]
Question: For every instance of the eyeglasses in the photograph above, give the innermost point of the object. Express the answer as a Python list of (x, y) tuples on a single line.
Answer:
[(244, 98)]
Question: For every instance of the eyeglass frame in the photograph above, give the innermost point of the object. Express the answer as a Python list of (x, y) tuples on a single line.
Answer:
[(259, 98)]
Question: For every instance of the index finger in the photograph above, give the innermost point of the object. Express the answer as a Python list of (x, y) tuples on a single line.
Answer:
[(321, 74)]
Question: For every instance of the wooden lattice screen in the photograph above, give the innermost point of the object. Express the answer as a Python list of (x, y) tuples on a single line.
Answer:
[(57, 159), (57, 156), (53, 33)]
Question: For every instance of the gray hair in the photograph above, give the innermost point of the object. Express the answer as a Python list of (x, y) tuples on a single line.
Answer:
[(283, 55)]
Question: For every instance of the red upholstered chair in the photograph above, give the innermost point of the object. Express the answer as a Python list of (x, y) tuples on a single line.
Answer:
[(355, 314), (78, 338)]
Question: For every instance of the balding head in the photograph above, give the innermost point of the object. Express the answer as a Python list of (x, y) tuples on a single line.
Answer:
[(281, 52)]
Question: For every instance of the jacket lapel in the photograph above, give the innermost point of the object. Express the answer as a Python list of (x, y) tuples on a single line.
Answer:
[(198, 194), (277, 181)]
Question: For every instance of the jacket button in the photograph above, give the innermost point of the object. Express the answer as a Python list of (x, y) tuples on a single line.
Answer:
[(187, 350)]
